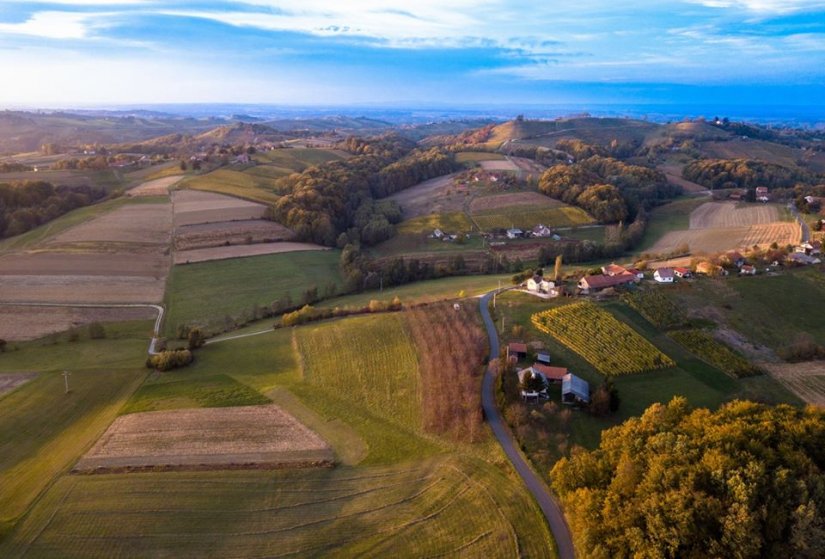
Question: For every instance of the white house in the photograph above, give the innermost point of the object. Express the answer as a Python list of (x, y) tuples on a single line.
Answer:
[(538, 284), (514, 233), (663, 275), (438, 233), (541, 231), (747, 270)]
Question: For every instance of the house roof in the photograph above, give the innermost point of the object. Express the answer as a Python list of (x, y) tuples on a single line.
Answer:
[(571, 384), (664, 272), (613, 269), (734, 255), (601, 282), (517, 347), (552, 373), (682, 270), (634, 271), (747, 268), (760, 189)]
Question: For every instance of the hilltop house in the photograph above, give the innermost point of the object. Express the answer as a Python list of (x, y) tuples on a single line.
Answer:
[(663, 275), (574, 390), (762, 194)]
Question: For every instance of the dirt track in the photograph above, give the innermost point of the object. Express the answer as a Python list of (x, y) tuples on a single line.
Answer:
[(201, 437)]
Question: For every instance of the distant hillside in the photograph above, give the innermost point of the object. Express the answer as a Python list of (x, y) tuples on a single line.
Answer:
[(329, 123)]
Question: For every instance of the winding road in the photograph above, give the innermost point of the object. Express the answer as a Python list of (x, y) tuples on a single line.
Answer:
[(548, 505)]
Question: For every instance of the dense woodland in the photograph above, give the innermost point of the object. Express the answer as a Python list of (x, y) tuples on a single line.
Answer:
[(608, 189), (416, 167), (745, 481), (743, 173), (26, 204)]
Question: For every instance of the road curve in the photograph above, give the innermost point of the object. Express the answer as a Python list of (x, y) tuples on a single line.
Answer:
[(549, 506)]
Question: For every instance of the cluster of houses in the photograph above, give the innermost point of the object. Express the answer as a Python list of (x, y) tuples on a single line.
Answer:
[(539, 231), (440, 235), (574, 390), (543, 287), (612, 275), (806, 253)]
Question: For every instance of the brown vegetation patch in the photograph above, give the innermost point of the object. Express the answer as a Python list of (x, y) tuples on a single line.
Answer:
[(204, 235), (239, 251), (451, 348), (18, 323), (430, 197), (729, 214), (147, 263), (132, 223), (806, 380), (10, 381), (194, 206), (499, 165), (157, 187), (81, 289), (250, 436), (498, 201)]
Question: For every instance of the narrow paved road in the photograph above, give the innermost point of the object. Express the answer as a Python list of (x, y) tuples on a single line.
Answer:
[(806, 231), (550, 508)]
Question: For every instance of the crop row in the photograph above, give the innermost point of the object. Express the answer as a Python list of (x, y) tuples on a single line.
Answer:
[(707, 348), (657, 308), (610, 346)]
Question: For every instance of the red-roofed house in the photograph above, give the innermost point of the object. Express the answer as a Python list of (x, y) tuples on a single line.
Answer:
[(663, 275), (762, 193), (596, 283), (517, 350), (552, 374), (613, 270), (681, 272), (747, 270), (640, 275)]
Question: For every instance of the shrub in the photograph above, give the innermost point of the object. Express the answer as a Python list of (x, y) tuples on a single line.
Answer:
[(167, 360)]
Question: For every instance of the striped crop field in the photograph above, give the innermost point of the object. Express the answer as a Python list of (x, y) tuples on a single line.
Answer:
[(371, 359), (610, 346)]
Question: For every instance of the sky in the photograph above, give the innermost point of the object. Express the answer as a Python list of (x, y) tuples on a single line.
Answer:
[(416, 52)]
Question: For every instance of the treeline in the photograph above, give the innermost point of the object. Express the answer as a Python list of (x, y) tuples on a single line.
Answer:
[(416, 167), (745, 481), (743, 173), (322, 202), (608, 189), (6, 167), (25, 205)]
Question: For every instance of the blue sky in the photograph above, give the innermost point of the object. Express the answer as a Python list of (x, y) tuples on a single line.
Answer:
[(425, 52)]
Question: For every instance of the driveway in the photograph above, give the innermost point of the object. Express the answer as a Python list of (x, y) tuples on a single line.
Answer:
[(549, 506)]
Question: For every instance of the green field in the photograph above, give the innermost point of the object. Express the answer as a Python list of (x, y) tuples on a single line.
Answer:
[(369, 358), (234, 183), (297, 159), (673, 216), (526, 218), (206, 293), (450, 223), (475, 156)]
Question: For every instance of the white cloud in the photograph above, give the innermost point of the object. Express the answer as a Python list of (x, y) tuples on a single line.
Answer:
[(765, 6), (52, 25)]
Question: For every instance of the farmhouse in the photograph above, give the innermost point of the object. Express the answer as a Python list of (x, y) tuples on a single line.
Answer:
[(597, 283), (663, 275), (516, 350), (438, 234), (640, 275), (710, 269), (613, 270), (541, 231), (574, 390), (802, 258), (747, 270), (762, 194), (514, 233), (682, 272), (550, 374), (538, 284)]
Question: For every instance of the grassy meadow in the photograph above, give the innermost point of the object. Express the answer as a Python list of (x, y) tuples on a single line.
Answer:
[(526, 218), (234, 183), (206, 293)]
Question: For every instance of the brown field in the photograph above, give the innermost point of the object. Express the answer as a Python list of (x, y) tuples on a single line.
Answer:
[(149, 262), (250, 436), (528, 166), (806, 380), (206, 235), (81, 289), (429, 197), (499, 165), (131, 223), (499, 201), (18, 323), (157, 187), (192, 207), (720, 226), (673, 172), (728, 214), (10, 381), (239, 251)]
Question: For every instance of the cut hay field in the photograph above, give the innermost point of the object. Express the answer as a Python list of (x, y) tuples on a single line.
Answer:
[(232, 287), (155, 187), (477, 156), (426, 509), (499, 165), (234, 183), (296, 160), (371, 359), (246, 436), (204, 235), (806, 380), (729, 214), (241, 251), (19, 323), (143, 224), (192, 207)]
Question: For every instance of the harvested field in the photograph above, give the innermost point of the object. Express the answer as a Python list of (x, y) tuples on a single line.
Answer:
[(145, 263), (477, 156), (81, 289), (806, 380), (253, 436), (192, 207), (18, 323), (701, 240), (783, 233), (239, 251), (157, 187), (130, 223), (495, 202), (499, 165), (727, 214), (528, 166), (10, 381), (204, 235), (429, 197)]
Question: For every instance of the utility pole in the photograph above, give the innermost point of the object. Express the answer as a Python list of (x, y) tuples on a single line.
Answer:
[(66, 380)]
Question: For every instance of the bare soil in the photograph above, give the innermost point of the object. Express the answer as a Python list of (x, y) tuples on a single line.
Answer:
[(498, 201), (81, 289), (194, 206), (132, 223), (729, 214), (18, 323), (238, 251), (499, 165), (11, 381), (806, 380), (246, 231), (211, 437), (157, 187), (149, 262)]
